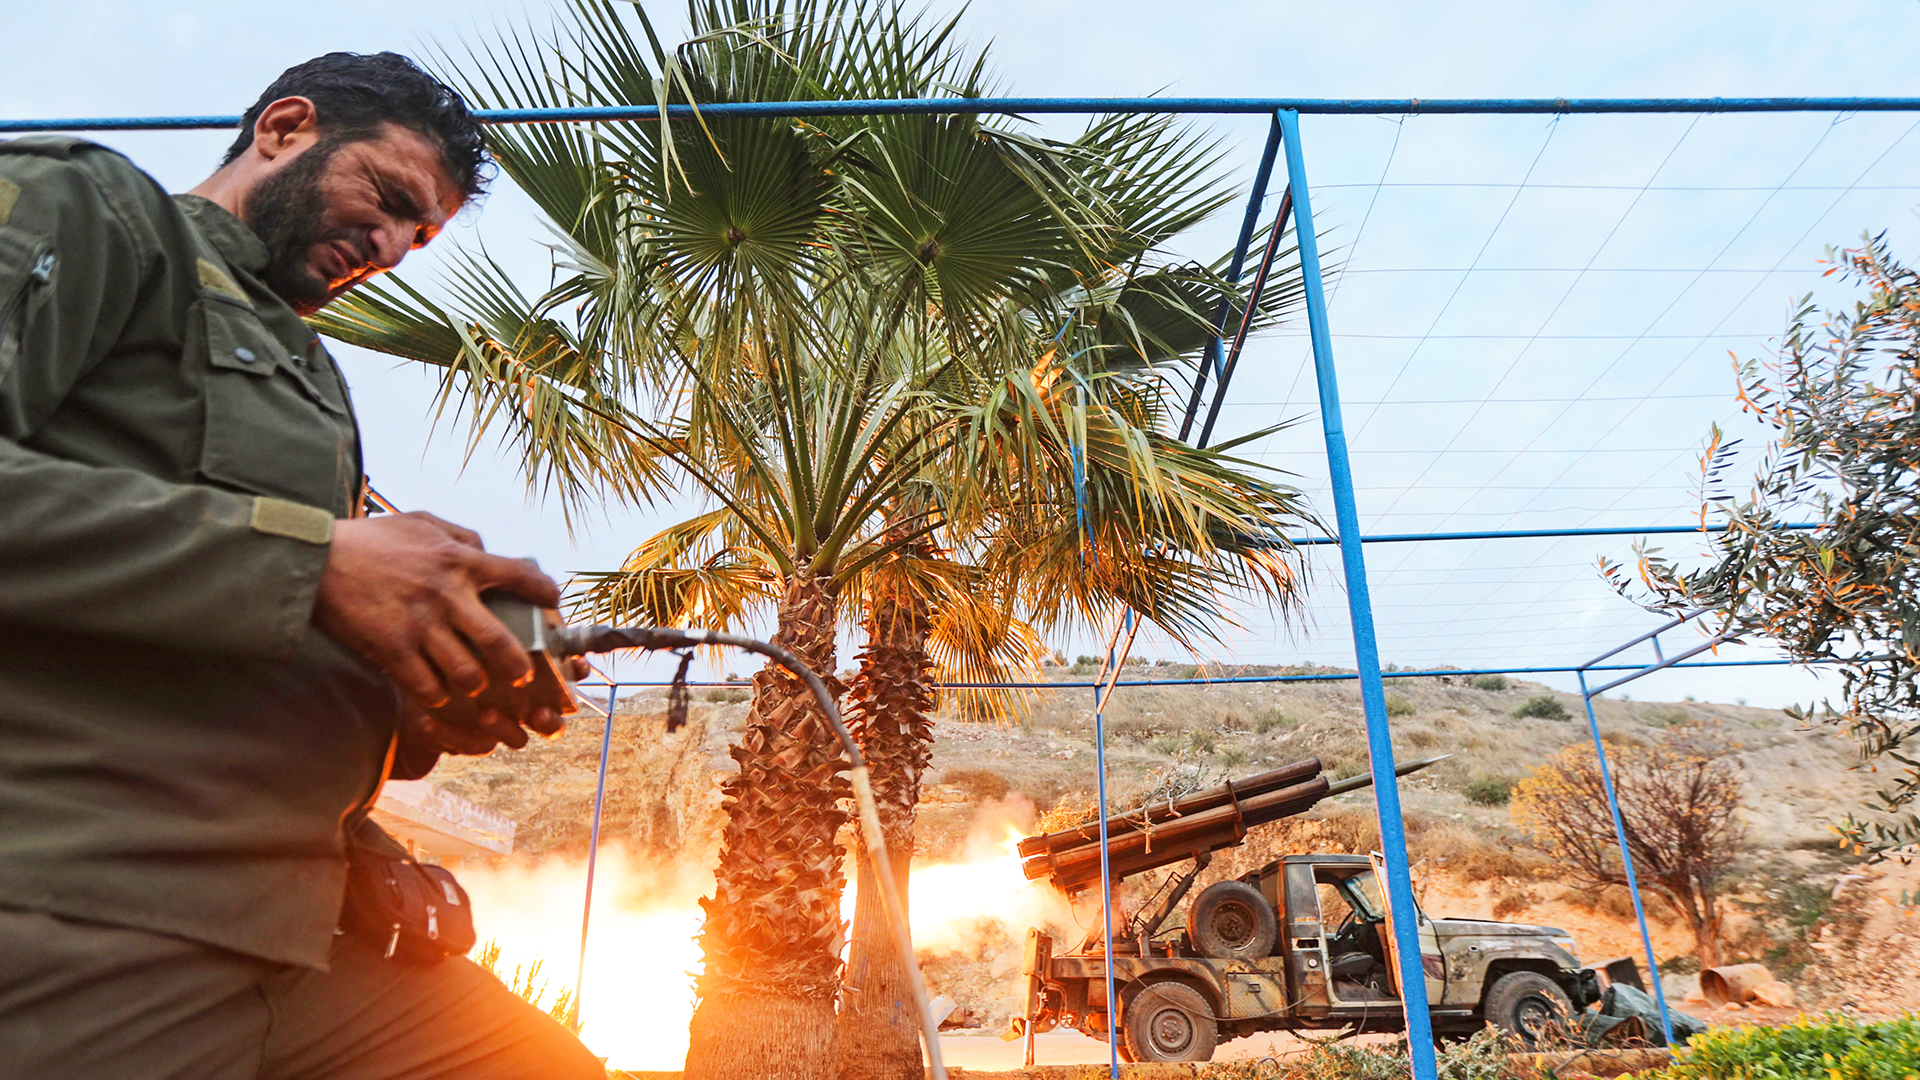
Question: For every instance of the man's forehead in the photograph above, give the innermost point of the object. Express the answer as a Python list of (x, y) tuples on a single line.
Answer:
[(404, 154)]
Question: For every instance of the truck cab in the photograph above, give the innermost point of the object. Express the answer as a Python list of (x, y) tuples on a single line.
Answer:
[(1301, 943)]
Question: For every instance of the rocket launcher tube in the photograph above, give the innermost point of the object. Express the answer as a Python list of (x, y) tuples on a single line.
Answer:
[(1155, 813), (1170, 839)]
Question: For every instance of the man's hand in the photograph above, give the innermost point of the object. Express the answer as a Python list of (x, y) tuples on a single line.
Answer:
[(403, 591)]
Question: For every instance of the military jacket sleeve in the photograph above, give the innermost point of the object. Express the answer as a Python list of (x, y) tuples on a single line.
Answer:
[(99, 547)]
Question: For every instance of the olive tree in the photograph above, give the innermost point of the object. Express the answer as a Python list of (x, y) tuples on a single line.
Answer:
[(1841, 401)]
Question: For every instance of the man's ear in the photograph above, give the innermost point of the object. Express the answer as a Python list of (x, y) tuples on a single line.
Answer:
[(289, 125)]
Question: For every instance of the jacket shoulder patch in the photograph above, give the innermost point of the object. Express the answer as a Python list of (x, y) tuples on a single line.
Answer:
[(9, 194), (215, 279)]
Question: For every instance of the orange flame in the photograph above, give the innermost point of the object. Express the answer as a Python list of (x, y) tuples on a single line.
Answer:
[(642, 956)]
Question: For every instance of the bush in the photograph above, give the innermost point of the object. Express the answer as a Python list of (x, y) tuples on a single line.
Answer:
[(1832, 1047), (1490, 683), (1543, 707), (1399, 705), (1234, 756), (1268, 719), (1489, 790), (728, 695), (1512, 902), (1668, 717), (979, 785)]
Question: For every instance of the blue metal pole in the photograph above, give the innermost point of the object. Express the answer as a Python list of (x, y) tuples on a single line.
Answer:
[(1626, 860), (593, 845), (1216, 362), (1007, 106), (1106, 864), (1332, 676), (1373, 697), (1530, 534)]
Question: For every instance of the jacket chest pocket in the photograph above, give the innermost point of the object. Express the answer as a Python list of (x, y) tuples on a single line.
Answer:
[(271, 428)]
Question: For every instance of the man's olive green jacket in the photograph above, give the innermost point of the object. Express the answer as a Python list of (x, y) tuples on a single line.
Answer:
[(178, 743)]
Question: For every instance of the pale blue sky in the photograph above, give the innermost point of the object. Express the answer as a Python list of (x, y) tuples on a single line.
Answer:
[(1459, 385)]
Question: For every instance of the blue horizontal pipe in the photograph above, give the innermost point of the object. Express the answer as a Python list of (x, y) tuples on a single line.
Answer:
[(1332, 676), (1651, 635), (1334, 106), (1649, 669), (1524, 534)]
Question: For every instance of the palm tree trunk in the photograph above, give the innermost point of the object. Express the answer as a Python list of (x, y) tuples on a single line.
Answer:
[(772, 931), (889, 700)]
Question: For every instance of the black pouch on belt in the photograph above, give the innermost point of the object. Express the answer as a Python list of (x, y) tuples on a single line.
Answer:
[(411, 912)]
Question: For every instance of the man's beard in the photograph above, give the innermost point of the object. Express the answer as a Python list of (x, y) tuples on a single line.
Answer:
[(288, 213)]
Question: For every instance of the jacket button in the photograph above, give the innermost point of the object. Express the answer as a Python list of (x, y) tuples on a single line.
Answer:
[(243, 354)]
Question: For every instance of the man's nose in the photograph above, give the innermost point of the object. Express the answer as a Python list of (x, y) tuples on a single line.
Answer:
[(391, 242)]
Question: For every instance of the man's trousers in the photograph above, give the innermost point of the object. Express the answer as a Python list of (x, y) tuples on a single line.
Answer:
[(84, 1001)]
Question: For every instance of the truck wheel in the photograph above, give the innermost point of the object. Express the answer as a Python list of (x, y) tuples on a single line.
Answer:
[(1169, 1021), (1530, 1007), (1232, 921)]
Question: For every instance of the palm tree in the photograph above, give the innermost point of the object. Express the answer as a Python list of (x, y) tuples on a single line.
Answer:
[(802, 319)]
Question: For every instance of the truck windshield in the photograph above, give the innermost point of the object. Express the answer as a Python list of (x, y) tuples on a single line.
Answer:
[(1364, 893)]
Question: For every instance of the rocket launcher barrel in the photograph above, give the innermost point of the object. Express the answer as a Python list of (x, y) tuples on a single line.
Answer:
[(1201, 822), (1151, 816)]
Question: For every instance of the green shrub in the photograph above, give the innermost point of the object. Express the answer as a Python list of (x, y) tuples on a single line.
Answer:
[(1268, 719), (1832, 1047), (1234, 756), (1543, 707), (1399, 705), (1490, 683), (1166, 746), (1200, 742), (728, 695), (1489, 790), (1668, 717)]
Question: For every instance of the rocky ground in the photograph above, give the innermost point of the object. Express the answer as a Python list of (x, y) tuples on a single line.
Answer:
[(1842, 933)]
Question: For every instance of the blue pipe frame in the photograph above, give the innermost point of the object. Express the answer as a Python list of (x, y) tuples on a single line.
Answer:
[(1286, 113), (1047, 106), (1330, 676), (1587, 694), (1404, 912), (593, 844)]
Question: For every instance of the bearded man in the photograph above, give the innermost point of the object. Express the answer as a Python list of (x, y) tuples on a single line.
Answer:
[(212, 658)]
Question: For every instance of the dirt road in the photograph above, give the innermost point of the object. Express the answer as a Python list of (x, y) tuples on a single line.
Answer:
[(987, 1052)]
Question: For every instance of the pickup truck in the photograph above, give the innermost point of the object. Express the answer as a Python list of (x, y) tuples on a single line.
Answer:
[(1300, 944)]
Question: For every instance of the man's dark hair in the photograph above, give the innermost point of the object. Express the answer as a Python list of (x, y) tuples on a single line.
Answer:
[(354, 94)]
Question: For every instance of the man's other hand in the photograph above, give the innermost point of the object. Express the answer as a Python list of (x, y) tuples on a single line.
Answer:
[(403, 591)]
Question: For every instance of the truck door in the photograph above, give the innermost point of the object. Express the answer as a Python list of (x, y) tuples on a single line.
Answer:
[(1368, 889), (1303, 942)]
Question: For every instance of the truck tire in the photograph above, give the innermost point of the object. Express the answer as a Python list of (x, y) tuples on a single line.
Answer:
[(1529, 1007), (1231, 921), (1169, 1021)]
